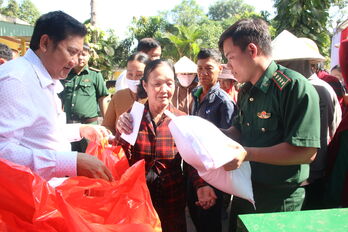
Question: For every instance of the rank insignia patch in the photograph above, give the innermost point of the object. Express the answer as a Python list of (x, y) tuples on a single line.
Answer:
[(280, 79)]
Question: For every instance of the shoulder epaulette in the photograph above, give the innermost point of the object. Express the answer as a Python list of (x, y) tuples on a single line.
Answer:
[(281, 79), (94, 69)]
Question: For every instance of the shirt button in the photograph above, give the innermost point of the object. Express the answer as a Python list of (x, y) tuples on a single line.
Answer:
[(248, 124), (263, 129), (251, 99), (72, 104), (74, 95)]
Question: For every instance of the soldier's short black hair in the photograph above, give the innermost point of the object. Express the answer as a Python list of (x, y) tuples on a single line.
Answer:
[(58, 26), (212, 53), (5, 52), (246, 31), (146, 44)]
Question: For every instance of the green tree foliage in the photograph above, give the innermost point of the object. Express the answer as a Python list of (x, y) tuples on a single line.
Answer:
[(107, 53), (25, 11), (211, 31), (187, 13), (223, 9), (12, 9), (142, 27), (186, 40), (340, 3), (183, 30), (305, 19), (28, 12)]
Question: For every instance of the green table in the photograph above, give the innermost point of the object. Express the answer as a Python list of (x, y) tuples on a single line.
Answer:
[(335, 220)]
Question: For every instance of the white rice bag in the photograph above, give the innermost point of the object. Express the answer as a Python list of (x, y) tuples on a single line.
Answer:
[(202, 145)]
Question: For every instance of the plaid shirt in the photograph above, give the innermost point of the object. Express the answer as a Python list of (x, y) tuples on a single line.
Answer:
[(156, 145)]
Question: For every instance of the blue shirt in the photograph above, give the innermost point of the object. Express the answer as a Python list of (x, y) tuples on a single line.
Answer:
[(216, 107)]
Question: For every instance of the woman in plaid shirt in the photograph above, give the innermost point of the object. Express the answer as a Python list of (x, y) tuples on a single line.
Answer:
[(156, 145)]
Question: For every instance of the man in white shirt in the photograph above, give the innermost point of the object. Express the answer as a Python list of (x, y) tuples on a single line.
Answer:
[(32, 124)]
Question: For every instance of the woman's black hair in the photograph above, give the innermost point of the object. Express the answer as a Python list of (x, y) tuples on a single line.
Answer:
[(141, 93)]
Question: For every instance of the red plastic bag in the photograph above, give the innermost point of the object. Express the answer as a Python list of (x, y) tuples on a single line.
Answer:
[(78, 204), (25, 197), (113, 157)]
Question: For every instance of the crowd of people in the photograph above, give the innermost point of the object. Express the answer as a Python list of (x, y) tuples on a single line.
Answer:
[(286, 111)]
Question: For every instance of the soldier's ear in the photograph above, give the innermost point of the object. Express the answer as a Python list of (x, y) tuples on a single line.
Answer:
[(252, 50)]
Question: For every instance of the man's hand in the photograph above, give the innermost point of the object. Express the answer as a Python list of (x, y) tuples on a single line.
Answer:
[(125, 123), (206, 197), (92, 167), (236, 162), (94, 133)]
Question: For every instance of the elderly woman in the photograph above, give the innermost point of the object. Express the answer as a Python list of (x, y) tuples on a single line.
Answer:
[(156, 146), (124, 99)]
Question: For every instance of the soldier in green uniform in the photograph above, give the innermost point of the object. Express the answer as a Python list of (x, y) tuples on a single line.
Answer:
[(84, 95), (278, 123)]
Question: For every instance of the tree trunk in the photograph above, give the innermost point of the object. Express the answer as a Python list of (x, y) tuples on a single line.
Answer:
[(93, 12), (94, 20)]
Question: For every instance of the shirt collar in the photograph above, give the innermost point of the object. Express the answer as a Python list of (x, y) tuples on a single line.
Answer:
[(84, 70), (200, 89), (42, 74), (264, 82)]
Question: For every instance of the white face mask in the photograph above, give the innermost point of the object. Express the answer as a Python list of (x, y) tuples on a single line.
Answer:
[(133, 84), (185, 80)]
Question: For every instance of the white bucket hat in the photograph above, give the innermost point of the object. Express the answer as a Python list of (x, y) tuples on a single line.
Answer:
[(287, 46), (185, 65)]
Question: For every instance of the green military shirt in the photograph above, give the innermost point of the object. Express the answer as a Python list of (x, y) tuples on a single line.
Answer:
[(81, 94), (281, 107)]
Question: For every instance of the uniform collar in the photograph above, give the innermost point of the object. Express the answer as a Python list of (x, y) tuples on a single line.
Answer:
[(264, 82), (199, 90), (83, 71)]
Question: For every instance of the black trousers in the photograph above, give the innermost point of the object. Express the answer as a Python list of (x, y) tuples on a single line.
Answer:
[(205, 220), (315, 195)]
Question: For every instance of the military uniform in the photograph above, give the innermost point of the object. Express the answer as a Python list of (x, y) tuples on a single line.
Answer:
[(281, 107), (81, 94)]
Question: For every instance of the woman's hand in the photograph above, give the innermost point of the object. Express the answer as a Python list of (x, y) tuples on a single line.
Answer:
[(206, 197), (94, 133), (125, 123)]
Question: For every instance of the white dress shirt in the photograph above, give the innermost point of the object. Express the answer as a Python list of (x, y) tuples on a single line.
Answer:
[(33, 131)]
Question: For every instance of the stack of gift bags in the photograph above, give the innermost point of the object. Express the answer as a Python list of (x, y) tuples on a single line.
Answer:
[(30, 203)]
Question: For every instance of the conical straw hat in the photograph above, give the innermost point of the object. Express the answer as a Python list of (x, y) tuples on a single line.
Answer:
[(185, 65), (287, 46)]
